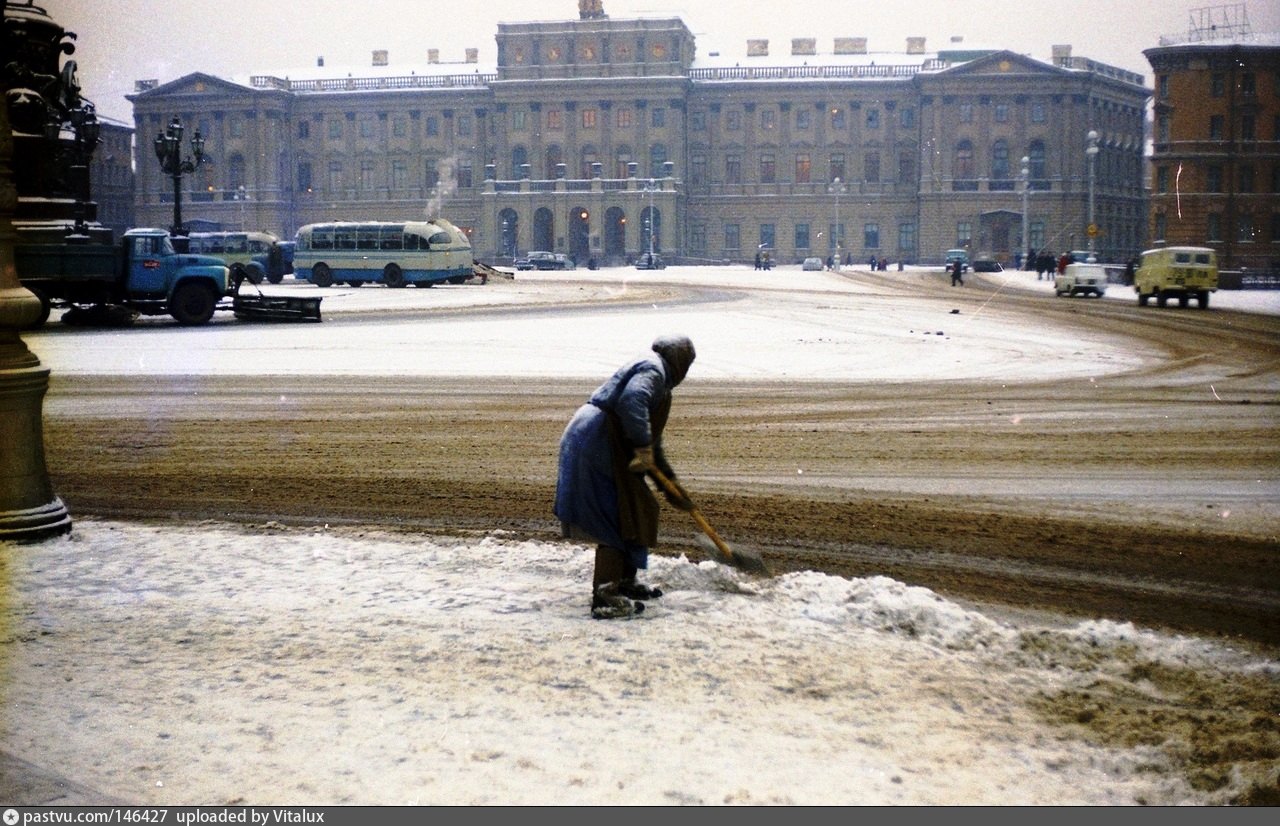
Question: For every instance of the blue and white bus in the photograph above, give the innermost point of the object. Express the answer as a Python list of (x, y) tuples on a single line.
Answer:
[(394, 253)]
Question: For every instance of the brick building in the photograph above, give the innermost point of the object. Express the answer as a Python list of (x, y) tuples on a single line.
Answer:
[(1216, 152), (596, 137)]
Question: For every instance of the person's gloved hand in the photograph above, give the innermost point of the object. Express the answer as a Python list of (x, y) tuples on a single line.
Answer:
[(643, 461)]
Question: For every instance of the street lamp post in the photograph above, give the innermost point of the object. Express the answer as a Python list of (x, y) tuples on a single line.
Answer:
[(1026, 190), (1092, 153), (168, 146), (836, 187), (651, 187), (242, 196)]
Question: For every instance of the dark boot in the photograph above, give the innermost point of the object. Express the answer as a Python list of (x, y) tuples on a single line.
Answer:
[(607, 601), (632, 589)]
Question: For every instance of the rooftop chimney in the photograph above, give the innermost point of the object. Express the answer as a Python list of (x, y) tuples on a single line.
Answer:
[(1061, 52), (851, 45), (380, 57), (433, 55), (473, 55), (757, 48), (804, 46), (320, 60), (915, 45)]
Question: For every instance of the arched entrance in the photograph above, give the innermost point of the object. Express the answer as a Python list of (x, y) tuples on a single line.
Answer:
[(544, 230), (509, 226), (615, 233), (579, 234)]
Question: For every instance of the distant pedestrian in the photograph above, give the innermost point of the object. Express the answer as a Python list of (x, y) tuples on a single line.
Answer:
[(957, 273), (757, 260), (1129, 268), (1063, 261)]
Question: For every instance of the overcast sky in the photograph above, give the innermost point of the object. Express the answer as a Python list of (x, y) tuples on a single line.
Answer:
[(129, 40)]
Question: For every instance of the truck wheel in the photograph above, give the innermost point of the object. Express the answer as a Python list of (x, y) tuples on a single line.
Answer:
[(192, 304), (1184, 299), (1162, 298), (393, 276), (1143, 298), (1202, 300), (255, 273), (321, 275), (275, 277)]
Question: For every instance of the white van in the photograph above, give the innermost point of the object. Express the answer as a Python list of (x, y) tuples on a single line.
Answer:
[(1081, 279)]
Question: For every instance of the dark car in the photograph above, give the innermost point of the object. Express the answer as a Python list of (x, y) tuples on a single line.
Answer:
[(543, 260), (984, 264), (650, 261)]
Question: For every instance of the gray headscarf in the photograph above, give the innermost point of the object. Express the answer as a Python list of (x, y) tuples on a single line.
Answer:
[(677, 351)]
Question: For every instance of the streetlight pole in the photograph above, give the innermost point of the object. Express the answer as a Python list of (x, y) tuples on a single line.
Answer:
[(1092, 153), (651, 187), (1026, 190), (242, 196), (837, 186), (168, 146)]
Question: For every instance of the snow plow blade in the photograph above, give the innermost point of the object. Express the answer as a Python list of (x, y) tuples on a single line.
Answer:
[(275, 308)]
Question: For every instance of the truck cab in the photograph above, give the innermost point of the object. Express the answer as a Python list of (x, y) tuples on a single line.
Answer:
[(159, 280)]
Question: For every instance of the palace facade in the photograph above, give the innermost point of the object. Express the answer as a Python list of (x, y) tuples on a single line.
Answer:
[(601, 138)]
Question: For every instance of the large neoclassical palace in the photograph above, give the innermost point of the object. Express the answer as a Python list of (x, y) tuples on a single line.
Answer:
[(599, 138)]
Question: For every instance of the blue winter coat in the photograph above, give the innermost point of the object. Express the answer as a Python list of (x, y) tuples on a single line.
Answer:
[(597, 498)]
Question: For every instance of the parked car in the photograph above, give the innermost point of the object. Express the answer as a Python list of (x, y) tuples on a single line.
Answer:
[(543, 260), (1081, 279), (650, 261), (986, 264), (811, 264), (960, 255)]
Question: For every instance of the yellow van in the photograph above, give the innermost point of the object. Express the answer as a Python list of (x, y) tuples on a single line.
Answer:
[(1177, 272)]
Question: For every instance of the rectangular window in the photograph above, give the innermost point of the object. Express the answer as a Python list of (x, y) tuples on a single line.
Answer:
[(873, 118), (430, 174), (802, 237), (698, 237), (1002, 113), (1162, 129), (1244, 229), (1248, 84), (906, 167), (464, 126), (555, 119), (367, 170), (1162, 179), (1247, 182), (658, 116), (733, 120), (399, 174), (304, 129), (588, 118), (335, 129), (1161, 226), (698, 170), (1036, 229), (907, 118), (335, 177), (768, 119), (966, 113), (625, 118), (1039, 114), (519, 120), (964, 233), (835, 234), (1213, 226), (398, 127), (871, 236), (837, 119), (1162, 87), (804, 118), (366, 127), (1213, 178), (1215, 127), (733, 169), (804, 167), (907, 238), (767, 236), (1248, 128), (871, 167), (433, 126), (698, 121), (1217, 85), (304, 176), (732, 237), (235, 128), (768, 168), (837, 167), (464, 174)]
